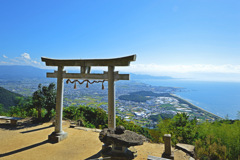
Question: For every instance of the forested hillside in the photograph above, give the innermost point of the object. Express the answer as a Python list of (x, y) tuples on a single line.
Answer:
[(8, 98), (141, 96)]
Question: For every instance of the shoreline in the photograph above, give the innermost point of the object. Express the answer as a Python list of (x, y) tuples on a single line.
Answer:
[(196, 107)]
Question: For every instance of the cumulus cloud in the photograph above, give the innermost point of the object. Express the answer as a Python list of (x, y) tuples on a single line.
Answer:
[(4, 56), (23, 59), (25, 55)]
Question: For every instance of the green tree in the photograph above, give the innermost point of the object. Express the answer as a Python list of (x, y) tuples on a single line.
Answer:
[(44, 97), (180, 127), (38, 100), (50, 99), (24, 103), (183, 129)]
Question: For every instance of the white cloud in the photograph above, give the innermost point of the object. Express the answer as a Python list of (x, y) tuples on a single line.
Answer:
[(225, 72), (4, 56), (24, 59), (35, 62), (25, 55), (15, 60), (196, 68), (206, 72), (3, 62)]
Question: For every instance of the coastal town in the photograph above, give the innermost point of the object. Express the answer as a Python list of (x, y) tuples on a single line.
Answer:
[(159, 102)]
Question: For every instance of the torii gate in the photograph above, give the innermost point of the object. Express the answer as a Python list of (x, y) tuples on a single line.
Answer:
[(85, 68)]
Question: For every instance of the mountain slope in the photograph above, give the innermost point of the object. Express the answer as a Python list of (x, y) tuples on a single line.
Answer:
[(15, 72), (20, 72), (8, 98)]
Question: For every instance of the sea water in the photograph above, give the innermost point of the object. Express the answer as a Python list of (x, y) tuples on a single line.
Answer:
[(220, 98)]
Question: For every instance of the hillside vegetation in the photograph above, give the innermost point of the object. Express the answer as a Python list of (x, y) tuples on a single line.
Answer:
[(218, 140), (8, 98), (142, 96)]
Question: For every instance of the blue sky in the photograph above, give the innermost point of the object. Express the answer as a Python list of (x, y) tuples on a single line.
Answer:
[(196, 39)]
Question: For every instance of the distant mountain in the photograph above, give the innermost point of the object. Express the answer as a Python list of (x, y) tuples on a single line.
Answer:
[(19, 72), (8, 98), (140, 76)]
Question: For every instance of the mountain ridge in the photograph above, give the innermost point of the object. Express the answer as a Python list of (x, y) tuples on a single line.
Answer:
[(11, 72)]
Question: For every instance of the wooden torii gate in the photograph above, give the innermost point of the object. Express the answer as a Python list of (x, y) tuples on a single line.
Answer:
[(85, 69)]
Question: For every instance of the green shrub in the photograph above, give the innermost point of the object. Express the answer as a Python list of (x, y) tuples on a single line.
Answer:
[(217, 140), (210, 148), (98, 118), (33, 112)]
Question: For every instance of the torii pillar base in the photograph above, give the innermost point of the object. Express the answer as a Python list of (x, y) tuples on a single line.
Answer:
[(57, 137)]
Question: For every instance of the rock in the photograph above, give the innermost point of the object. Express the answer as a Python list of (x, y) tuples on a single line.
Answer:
[(72, 125), (127, 139), (119, 130), (187, 148)]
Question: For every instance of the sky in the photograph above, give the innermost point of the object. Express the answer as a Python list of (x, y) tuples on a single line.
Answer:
[(190, 39)]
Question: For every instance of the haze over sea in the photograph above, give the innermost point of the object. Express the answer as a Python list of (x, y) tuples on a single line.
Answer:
[(220, 98)]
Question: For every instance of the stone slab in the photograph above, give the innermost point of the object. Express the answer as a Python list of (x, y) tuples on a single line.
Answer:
[(13, 120), (10, 118), (88, 129), (187, 148), (156, 158)]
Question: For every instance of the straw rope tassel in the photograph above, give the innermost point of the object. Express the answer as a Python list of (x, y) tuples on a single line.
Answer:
[(102, 85), (75, 86), (87, 85)]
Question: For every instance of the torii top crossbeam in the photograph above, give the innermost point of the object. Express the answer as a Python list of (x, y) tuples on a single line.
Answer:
[(123, 61), (86, 65)]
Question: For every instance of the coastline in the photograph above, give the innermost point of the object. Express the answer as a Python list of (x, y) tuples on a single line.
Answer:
[(196, 107), (221, 98)]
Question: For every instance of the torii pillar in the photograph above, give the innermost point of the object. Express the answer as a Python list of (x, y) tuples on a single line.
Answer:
[(85, 67), (111, 99)]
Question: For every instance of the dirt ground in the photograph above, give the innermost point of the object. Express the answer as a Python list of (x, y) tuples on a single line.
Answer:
[(29, 142)]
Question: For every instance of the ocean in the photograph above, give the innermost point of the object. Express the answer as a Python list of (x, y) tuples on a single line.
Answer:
[(220, 98)]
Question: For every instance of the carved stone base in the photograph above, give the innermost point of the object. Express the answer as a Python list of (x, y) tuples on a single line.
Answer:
[(57, 137), (119, 153), (169, 156)]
